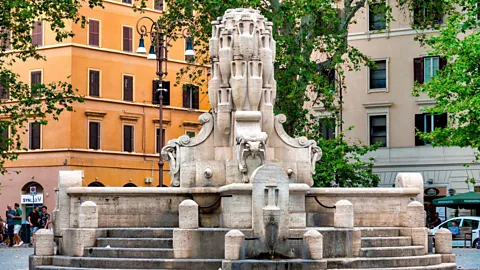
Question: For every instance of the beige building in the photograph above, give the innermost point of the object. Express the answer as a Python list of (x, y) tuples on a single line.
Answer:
[(380, 105)]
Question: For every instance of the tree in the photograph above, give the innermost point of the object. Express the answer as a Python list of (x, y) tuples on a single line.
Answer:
[(19, 101), (456, 88), (303, 29)]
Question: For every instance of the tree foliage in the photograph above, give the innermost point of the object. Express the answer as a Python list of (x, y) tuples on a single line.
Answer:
[(456, 88), (312, 53), (42, 101)]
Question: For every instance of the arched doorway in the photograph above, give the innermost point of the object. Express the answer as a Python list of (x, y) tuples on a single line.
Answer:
[(96, 184), (30, 200), (129, 185)]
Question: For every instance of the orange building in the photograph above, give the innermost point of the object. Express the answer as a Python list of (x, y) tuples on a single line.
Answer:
[(112, 135)]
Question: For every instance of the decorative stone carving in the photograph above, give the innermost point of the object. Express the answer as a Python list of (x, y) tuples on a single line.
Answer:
[(225, 56), (238, 82), (255, 84), (250, 146), (213, 43), (214, 86), (266, 55)]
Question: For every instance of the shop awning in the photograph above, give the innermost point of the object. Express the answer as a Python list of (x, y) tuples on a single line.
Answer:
[(469, 200)]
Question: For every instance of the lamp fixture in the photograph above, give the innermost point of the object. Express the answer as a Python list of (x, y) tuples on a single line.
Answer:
[(151, 54), (141, 46)]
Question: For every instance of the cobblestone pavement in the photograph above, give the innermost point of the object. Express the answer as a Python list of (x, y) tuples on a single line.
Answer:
[(467, 258), (17, 258)]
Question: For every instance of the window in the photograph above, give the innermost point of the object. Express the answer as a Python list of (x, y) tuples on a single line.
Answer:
[(190, 134), (165, 93), (427, 12), (37, 34), (4, 95), (127, 38), (190, 96), (94, 83), (156, 139), (35, 81), (378, 76), (470, 223), (4, 137), (94, 135), (424, 68), (5, 39), (427, 123), (378, 130), (127, 88), (448, 224), (93, 32), (158, 5), (128, 139), (34, 136), (327, 128), (377, 18), (127, 1)]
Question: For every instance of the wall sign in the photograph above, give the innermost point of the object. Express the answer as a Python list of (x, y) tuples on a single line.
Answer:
[(431, 191), (27, 199)]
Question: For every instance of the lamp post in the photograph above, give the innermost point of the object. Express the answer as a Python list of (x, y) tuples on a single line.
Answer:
[(159, 51)]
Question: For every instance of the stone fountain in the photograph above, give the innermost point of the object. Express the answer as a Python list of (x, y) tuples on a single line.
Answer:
[(241, 193)]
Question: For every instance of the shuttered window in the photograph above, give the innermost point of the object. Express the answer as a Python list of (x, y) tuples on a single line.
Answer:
[(158, 5), (128, 139), (94, 83), (127, 39), (35, 81), (165, 92), (427, 123), (127, 1), (37, 33), (4, 95), (34, 136), (190, 96), (127, 88), (156, 139), (94, 135), (378, 130), (424, 68), (5, 39), (378, 76), (93, 32), (4, 137), (327, 128)]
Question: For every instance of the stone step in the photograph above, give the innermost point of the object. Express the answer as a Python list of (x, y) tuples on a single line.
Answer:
[(443, 266), (128, 263), (386, 241), (388, 262), (115, 252), (140, 232), (380, 232), (392, 251), (53, 267), (135, 242), (274, 265)]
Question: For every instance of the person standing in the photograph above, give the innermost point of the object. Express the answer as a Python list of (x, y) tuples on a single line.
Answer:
[(44, 218), (17, 219), (10, 224), (34, 220)]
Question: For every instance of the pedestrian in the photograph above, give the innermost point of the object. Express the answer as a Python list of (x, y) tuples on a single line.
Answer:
[(18, 225), (34, 220), (2, 232), (44, 218), (436, 221), (10, 224), (454, 229)]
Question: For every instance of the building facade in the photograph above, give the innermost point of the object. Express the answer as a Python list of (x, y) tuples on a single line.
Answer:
[(380, 106), (111, 136)]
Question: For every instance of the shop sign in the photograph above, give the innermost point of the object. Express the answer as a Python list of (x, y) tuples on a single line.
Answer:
[(27, 199), (431, 192)]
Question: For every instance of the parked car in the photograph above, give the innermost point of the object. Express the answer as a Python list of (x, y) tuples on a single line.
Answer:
[(473, 222)]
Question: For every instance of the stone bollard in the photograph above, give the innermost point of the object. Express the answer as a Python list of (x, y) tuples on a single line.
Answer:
[(188, 214), (314, 241), (233, 243), (88, 215), (415, 215), (443, 241), (343, 217), (43, 243)]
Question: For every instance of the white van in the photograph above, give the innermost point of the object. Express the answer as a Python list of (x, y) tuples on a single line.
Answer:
[(473, 222)]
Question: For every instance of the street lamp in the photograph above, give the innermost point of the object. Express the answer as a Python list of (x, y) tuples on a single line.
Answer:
[(159, 51)]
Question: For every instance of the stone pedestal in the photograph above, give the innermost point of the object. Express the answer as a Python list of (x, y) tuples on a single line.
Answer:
[(233, 243), (313, 241), (88, 215), (415, 215), (411, 180), (43, 243), (188, 214), (443, 241), (343, 217)]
